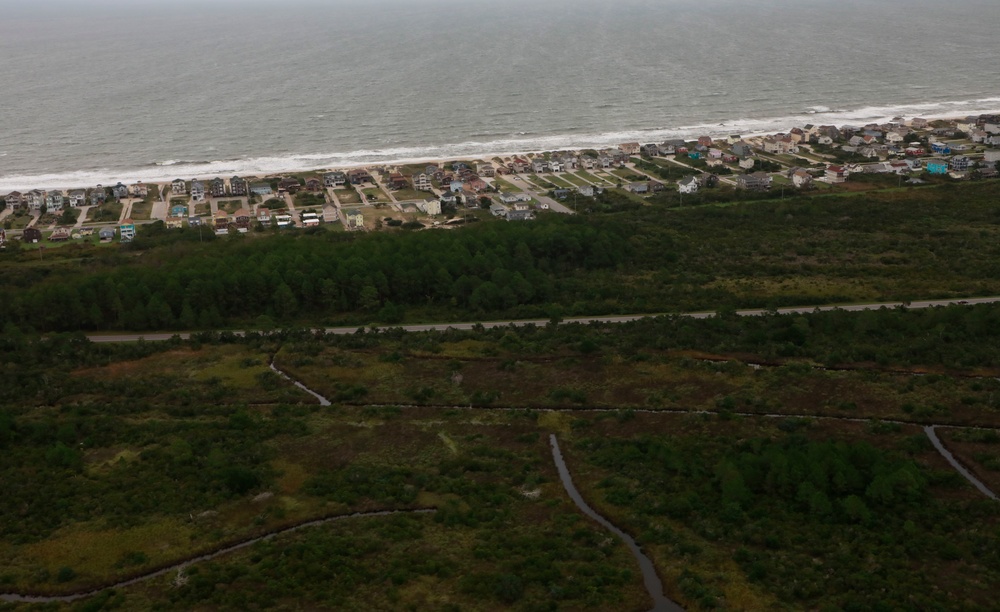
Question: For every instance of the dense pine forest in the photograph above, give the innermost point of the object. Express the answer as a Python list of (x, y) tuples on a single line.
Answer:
[(895, 245)]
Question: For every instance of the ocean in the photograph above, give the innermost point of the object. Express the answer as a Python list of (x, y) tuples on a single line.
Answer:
[(97, 91)]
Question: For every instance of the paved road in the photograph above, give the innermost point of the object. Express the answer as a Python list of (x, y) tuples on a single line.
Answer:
[(610, 319)]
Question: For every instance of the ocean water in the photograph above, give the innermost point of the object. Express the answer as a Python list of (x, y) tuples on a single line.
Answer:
[(96, 91)]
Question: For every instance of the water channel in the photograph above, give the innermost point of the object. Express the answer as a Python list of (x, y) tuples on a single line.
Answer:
[(653, 584), (929, 430), (21, 598)]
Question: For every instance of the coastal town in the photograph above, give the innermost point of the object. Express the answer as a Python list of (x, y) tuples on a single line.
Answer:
[(443, 195)]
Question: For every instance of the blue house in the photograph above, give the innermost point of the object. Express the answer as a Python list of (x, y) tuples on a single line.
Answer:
[(936, 166), (940, 148), (456, 186), (694, 155)]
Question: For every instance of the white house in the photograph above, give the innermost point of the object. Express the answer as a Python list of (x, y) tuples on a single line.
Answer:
[(77, 197), (197, 191), (430, 207), (688, 184), (178, 187), (422, 182)]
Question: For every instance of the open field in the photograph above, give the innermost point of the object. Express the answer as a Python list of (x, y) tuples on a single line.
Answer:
[(230, 206), (141, 210), (411, 194), (109, 212), (348, 196)]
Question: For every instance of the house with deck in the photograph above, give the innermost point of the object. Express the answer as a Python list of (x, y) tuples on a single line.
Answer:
[(936, 166), (960, 163), (238, 186), (14, 200), (430, 206), (688, 184), (126, 230), (757, 181), (289, 185), (422, 182), (354, 218), (178, 187), (334, 179), (197, 191), (359, 176), (261, 189), (836, 174), (397, 180), (77, 197), (54, 200), (217, 187), (36, 199)]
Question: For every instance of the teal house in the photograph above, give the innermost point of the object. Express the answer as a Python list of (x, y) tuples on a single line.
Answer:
[(936, 166)]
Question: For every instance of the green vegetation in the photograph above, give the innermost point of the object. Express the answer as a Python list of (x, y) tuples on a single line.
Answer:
[(348, 196), (144, 454), (108, 212), (142, 210), (230, 206), (896, 245)]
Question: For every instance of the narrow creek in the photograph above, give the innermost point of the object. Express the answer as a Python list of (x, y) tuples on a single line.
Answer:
[(322, 400), (929, 430), (21, 598), (653, 584)]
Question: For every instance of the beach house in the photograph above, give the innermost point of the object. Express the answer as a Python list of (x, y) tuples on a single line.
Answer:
[(126, 230), (687, 185), (359, 176), (14, 200), (54, 200), (238, 186), (119, 191), (354, 218), (178, 187), (36, 199), (334, 179), (836, 174), (936, 166), (217, 187), (77, 197), (757, 181), (197, 191), (430, 207), (97, 196), (422, 182)]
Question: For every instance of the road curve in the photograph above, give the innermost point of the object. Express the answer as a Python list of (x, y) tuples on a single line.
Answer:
[(756, 312)]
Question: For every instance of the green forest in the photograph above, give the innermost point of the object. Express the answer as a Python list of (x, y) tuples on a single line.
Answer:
[(893, 245)]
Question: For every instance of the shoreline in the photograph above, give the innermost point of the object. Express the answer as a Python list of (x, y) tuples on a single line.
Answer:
[(261, 166)]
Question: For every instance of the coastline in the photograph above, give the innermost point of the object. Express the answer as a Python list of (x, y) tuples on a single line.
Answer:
[(167, 170)]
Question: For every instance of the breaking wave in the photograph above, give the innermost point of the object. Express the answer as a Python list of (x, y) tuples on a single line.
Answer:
[(521, 142)]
